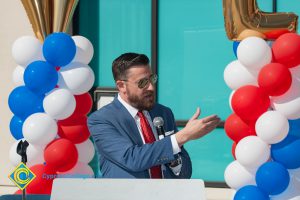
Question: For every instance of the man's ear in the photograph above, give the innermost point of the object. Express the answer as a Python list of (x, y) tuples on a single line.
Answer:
[(121, 86)]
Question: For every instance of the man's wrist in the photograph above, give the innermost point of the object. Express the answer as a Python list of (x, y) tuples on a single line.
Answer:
[(181, 138)]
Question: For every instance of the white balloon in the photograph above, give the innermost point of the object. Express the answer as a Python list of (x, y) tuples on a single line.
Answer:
[(236, 75), (59, 104), (230, 97), (84, 50), (292, 93), (254, 53), (288, 104), (18, 76), (237, 176), (292, 192), (295, 173), (296, 197), (251, 152), (295, 71), (39, 129), (35, 154), (289, 194), (27, 49), (80, 170), (272, 127), (77, 77), (86, 151)]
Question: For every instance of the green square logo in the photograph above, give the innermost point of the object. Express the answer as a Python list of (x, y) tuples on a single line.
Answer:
[(22, 176)]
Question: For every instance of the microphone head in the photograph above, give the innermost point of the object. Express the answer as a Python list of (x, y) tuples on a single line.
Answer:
[(158, 121)]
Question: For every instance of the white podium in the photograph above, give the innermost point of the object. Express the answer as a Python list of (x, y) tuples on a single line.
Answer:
[(127, 189)]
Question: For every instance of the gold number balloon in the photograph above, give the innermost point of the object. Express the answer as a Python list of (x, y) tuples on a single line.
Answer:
[(48, 16), (243, 18)]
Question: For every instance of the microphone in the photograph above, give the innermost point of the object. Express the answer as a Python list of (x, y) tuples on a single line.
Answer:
[(158, 123)]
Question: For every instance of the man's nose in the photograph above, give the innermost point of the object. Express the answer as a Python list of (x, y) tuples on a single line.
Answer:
[(150, 86)]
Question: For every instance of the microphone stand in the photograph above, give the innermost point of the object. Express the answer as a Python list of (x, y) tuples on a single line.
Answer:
[(21, 150)]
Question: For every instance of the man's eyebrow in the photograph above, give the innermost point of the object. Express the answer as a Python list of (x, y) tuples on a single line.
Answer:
[(146, 76), (143, 78)]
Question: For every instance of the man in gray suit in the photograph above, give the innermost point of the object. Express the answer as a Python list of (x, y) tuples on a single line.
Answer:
[(127, 142)]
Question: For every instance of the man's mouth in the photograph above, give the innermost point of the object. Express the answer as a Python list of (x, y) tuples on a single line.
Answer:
[(149, 96)]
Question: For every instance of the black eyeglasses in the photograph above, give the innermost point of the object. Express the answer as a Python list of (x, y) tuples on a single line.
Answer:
[(144, 82)]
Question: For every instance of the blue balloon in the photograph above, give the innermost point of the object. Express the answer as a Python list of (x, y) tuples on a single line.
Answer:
[(287, 151), (294, 127), (23, 102), (234, 47), (270, 43), (59, 49), (15, 126), (40, 77), (272, 178), (250, 192)]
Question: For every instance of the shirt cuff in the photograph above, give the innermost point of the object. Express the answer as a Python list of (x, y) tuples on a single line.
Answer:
[(175, 146)]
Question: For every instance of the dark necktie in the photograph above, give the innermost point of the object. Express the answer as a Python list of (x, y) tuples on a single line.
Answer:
[(149, 138)]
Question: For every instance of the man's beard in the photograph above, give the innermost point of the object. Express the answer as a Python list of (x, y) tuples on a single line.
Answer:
[(146, 102)]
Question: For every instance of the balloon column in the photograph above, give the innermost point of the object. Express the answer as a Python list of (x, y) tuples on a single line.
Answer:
[(264, 124), (50, 104)]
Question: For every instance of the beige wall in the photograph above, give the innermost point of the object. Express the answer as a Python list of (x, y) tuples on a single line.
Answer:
[(13, 24)]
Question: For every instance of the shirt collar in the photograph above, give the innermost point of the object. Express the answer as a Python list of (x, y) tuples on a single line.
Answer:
[(132, 110)]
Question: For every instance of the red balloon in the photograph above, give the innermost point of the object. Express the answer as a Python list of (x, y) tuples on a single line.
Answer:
[(233, 150), (286, 50), (249, 102), (274, 34), (61, 154), (18, 192), (42, 184), (236, 129), (84, 104), (275, 79), (76, 131)]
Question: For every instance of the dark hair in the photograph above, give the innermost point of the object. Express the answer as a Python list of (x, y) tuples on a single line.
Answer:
[(125, 61)]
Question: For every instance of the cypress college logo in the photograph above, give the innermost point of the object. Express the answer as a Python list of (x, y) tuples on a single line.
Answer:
[(22, 176)]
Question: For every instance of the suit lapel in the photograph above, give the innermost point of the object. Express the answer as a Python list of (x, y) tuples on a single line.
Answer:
[(128, 123)]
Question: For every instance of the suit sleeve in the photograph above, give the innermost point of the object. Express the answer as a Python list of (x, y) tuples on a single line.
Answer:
[(120, 150), (186, 168)]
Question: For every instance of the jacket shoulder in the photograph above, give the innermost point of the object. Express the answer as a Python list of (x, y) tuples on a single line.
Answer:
[(106, 111), (161, 108)]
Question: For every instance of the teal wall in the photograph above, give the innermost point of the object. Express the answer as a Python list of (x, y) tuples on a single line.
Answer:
[(193, 51), (116, 27)]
